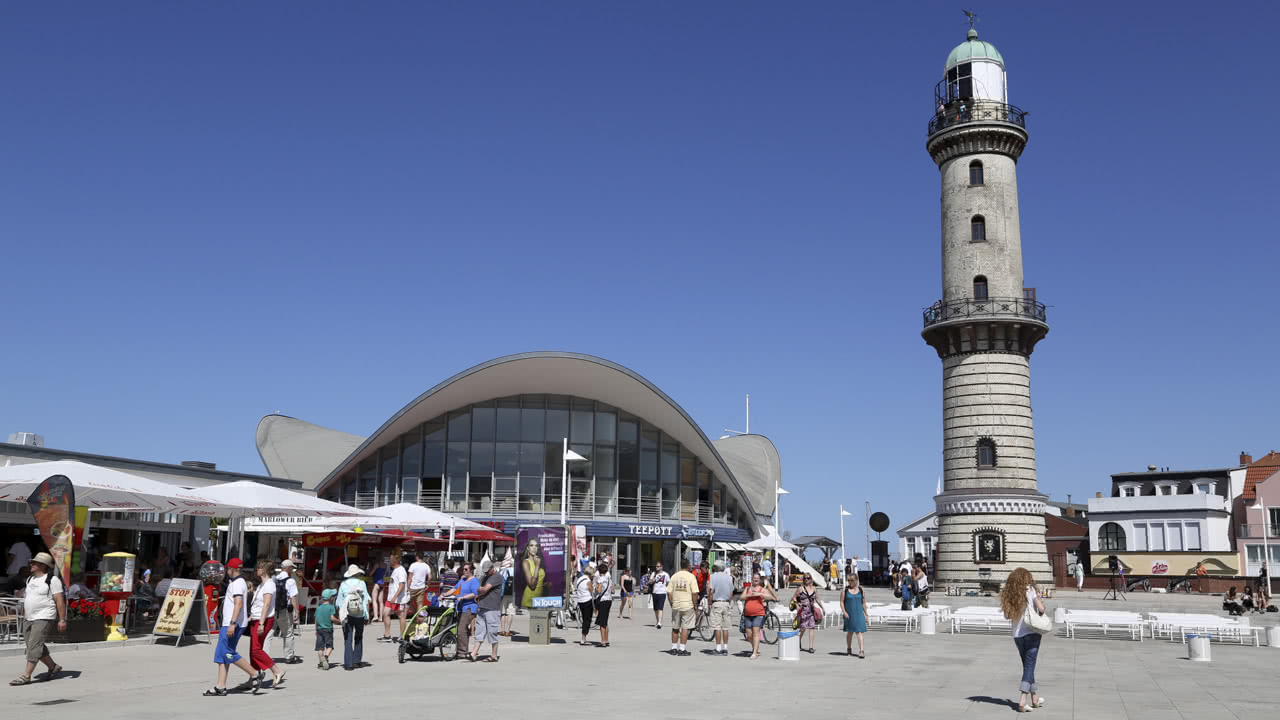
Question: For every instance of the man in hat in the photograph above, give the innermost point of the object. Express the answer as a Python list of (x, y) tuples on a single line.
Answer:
[(44, 603), (235, 618), (287, 620), (354, 610)]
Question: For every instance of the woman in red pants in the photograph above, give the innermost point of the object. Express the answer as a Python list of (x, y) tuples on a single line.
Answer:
[(262, 615)]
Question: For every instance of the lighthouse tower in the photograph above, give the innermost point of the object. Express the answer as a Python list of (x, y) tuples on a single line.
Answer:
[(990, 513)]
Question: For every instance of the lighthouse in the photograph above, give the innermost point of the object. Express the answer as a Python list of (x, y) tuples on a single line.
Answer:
[(984, 329)]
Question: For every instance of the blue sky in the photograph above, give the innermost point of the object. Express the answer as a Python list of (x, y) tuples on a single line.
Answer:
[(214, 212)]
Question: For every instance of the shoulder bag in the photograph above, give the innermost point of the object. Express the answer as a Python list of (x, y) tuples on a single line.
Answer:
[(1041, 624)]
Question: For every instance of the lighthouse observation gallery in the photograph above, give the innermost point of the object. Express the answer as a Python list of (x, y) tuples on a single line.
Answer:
[(984, 329)]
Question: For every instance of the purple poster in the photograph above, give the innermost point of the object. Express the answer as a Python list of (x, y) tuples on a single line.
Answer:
[(540, 570)]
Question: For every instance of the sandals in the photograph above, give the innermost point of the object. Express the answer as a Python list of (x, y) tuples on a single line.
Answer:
[(1039, 703), (20, 680), (51, 674), (215, 692)]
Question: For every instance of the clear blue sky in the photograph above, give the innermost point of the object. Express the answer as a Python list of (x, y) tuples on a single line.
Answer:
[(212, 212)]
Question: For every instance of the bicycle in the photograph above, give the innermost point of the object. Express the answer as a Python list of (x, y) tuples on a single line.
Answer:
[(769, 631)]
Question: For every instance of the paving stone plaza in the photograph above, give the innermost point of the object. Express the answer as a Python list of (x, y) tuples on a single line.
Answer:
[(904, 674)]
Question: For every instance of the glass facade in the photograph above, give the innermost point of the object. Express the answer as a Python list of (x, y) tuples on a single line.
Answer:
[(502, 458)]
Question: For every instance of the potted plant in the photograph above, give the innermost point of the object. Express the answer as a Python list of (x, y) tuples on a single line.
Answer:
[(86, 622)]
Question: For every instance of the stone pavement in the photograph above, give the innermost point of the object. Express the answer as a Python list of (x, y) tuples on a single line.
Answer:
[(904, 675)]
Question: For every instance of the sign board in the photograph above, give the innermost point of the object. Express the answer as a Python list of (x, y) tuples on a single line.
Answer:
[(176, 607), (541, 565)]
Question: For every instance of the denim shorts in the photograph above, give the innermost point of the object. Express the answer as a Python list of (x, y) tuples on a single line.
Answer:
[(755, 621), (324, 639), (225, 653)]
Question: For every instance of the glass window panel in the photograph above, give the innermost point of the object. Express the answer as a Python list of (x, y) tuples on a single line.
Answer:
[(433, 458), (581, 469), (390, 470), (506, 485), (606, 496), (649, 467), (481, 458), (457, 492), (348, 489), (688, 474), (603, 464), (557, 424), (531, 460), (670, 470), (507, 459), (553, 458), (1155, 536), (606, 428), (978, 230), (1193, 536), (457, 460), (411, 457), (459, 426), (648, 438), (409, 489), (508, 424), (531, 424), (368, 475), (482, 423), (628, 427), (1175, 536), (434, 430), (628, 491), (966, 88), (581, 422), (531, 490), (552, 495), (1139, 537)]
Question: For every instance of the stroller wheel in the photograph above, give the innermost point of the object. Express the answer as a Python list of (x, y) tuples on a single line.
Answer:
[(400, 653)]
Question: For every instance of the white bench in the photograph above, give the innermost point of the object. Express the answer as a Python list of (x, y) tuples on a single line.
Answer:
[(984, 619), (1104, 622), (1179, 625), (884, 617)]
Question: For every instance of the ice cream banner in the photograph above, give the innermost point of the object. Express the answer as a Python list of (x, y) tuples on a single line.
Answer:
[(53, 505)]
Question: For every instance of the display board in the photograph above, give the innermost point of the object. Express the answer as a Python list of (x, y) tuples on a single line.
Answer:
[(540, 566), (183, 595)]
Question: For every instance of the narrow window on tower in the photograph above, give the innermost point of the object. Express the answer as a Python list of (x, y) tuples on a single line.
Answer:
[(975, 172), (980, 287), (986, 452), (978, 229)]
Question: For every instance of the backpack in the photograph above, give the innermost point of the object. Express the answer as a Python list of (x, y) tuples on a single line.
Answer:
[(282, 598), (355, 604)]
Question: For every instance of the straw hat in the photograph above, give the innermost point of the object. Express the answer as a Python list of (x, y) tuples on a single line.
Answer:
[(44, 559), (353, 570)]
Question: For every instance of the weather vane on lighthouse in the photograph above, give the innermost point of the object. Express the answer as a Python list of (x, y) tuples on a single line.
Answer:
[(973, 17)]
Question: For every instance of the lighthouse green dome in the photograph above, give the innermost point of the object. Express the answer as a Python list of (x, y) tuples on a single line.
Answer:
[(973, 49)]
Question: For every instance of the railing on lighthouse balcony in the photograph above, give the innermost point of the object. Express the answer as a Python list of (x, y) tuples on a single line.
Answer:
[(974, 110), (993, 308)]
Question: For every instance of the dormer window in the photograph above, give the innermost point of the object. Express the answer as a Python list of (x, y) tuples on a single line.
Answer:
[(1131, 490), (1205, 488), (1167, 488)]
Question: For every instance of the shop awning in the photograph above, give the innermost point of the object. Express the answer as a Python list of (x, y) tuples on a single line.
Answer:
[(484, 536), (693, 544), (725, 546)]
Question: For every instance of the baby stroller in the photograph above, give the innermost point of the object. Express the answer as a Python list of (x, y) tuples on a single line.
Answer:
[(434, 627)]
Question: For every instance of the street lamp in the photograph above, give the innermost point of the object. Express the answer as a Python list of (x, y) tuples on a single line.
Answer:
[(843, 514), (778, 492), (564, 480), (1266, 552)]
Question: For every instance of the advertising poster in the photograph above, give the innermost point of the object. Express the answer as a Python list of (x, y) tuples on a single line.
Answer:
[(540, 580), (176, 607), (578, 541), (53, 505)]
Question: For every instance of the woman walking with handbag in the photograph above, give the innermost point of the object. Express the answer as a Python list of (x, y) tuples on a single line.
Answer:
[(1020, 602), (805, 601)]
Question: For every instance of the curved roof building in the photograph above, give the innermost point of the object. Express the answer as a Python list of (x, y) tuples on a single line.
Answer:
[(487, 444)]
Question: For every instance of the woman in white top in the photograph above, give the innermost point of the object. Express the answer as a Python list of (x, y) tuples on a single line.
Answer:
[(921, 574), (602, 593), (262, 615), (582, 596), (1018, 594)]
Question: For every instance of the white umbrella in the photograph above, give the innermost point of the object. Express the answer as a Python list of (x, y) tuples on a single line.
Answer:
[(770, 542), (408, 516), (100, 488), (255, 499)]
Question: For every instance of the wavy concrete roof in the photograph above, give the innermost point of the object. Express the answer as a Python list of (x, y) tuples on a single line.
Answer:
[(755, 463), (565, 373), (299, 450)]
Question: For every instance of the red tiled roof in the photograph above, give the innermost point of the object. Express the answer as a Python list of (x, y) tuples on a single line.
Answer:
[(1260, 470)]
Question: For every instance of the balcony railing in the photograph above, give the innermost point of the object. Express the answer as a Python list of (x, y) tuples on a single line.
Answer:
[(1254, 530), (976, 111), (941, 312), (583, 506)]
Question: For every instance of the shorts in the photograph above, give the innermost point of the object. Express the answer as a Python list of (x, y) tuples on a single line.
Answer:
[(683, 619), (225, 653), (755, 621), (417, 596), (508, 607), (36, 633), (720, 615), (324, 639), (394, 607), (487, 626), (659, 601), (602, 613)]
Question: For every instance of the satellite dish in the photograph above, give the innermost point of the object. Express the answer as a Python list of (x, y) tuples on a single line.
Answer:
[(879, 522)]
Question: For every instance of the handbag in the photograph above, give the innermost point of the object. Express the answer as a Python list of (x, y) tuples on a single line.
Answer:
[(1041, 624), (818, 612)]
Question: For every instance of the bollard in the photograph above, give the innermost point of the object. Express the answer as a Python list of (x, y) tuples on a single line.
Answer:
[(1198, 648), (789, 645), (1273, 637), (928, 624)]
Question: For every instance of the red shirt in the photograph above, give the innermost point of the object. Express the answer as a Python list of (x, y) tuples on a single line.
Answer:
[(701, 576)]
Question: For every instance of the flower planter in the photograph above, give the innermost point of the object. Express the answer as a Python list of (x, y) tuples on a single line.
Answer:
[(81, 630)]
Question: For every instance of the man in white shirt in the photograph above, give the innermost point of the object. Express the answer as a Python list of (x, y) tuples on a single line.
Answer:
[(18, 557), (419, 574), (235, 618), (397, 597), (44, 605), (658, 589), (287, 620)]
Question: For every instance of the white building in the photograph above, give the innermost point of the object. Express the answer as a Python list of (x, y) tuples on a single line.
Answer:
[(919, 536), (1167, 511)]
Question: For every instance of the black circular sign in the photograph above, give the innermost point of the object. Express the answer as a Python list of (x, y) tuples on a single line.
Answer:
[(879, 522)]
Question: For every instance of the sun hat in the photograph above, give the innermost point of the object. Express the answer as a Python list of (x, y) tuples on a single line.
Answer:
[(353, 570), (44, 559)]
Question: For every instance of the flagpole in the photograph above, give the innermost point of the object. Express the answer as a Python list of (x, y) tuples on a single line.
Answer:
[(842, 552)]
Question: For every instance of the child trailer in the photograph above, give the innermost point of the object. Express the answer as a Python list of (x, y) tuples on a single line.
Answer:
[(434, 627)]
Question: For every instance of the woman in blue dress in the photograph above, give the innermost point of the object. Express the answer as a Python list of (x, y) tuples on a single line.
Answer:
[(854, 606)]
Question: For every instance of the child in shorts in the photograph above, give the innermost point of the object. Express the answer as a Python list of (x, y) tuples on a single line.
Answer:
[(324, 628)]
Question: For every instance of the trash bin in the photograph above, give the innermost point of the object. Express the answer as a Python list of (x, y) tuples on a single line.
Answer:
[(789, 645), (928, 624), (540, 626), (1273, 637), (1198, 647)]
